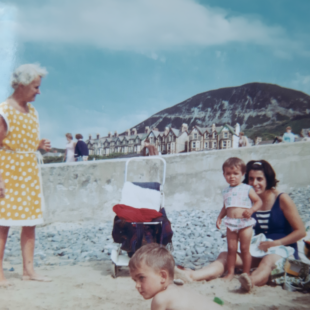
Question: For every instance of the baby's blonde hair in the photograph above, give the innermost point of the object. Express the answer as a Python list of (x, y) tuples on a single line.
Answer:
[(154, 256)]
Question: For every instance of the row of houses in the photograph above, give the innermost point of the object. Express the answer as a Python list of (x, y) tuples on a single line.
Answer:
[(169, 141)]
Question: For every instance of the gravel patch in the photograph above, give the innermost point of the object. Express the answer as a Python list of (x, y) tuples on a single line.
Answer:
[(196, 241)]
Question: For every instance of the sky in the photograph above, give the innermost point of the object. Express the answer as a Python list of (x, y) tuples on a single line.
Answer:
[(114, 63)]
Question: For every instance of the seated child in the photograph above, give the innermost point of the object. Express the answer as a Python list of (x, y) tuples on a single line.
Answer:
[(240, 202), (152, 268)]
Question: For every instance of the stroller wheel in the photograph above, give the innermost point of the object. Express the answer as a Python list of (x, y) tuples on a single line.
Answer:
[(114, 270)]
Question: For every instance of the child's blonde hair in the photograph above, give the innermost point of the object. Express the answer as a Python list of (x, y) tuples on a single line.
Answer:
[(234, 162), (154, 256)]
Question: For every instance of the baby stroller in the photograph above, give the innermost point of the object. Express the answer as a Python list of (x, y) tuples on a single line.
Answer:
[(131, 235)]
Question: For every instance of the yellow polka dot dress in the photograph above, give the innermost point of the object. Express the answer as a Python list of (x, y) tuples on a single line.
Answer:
[(22, 205)]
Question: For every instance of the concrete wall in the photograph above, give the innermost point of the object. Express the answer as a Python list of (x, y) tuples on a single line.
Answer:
[(88, 190)]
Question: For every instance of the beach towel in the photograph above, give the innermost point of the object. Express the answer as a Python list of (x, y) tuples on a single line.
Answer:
[(138, 197), (130, 214), (281, 250)]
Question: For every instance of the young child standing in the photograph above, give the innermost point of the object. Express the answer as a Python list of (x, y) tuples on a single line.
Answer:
[(152, 268), (240, 202)]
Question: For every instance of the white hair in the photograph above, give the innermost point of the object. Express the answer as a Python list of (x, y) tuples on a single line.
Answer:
[(25, 74)]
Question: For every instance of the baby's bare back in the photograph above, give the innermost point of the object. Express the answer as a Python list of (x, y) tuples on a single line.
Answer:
[(181, 298)]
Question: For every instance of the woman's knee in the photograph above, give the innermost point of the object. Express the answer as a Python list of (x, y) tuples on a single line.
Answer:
[(28, 230), (4, 229), (269, 260), (222, 256)]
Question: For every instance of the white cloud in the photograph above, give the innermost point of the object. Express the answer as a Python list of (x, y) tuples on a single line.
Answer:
[(140, 25)]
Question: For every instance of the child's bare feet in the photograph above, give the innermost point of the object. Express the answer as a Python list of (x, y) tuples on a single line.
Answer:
[(228, 277), (183, 274), (246, 282)]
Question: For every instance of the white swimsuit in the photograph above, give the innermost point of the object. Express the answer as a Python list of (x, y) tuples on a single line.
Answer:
[(237, 196)]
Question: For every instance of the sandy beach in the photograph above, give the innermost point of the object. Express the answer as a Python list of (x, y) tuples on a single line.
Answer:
[(90, 286)]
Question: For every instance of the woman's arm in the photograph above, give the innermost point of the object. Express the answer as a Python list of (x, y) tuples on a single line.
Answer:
[(3, 129), (45, 145), (3, 132), (291, 214)]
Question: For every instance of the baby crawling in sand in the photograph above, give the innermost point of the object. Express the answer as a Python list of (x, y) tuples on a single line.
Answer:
[(152, 268)]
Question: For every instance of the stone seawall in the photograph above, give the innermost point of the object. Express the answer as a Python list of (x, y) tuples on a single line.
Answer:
[(88, 190)]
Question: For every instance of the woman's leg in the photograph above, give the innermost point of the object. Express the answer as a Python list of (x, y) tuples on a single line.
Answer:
[(232, 245), (260, 276), (27, 241), (210, 272), (245, 236), (3, 237)]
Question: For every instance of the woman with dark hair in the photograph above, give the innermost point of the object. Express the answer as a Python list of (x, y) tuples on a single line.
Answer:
[(81, 149), (278, 219)]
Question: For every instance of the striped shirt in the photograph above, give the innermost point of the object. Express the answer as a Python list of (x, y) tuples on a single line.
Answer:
[(263, 219)]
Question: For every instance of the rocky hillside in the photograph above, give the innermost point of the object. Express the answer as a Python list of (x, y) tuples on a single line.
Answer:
[(260, 108)]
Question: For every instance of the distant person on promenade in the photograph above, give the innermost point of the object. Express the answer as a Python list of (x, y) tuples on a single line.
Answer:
[(307, 138), (81, 149), (70, 149), (243, 140), (277, 140), (149, 149), (288, 137), (21, 197)]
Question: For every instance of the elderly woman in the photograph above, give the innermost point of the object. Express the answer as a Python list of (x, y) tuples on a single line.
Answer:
[(278, 220), (20, 186)]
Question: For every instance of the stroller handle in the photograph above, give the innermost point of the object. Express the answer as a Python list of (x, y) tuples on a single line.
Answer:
[(147, 158)]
